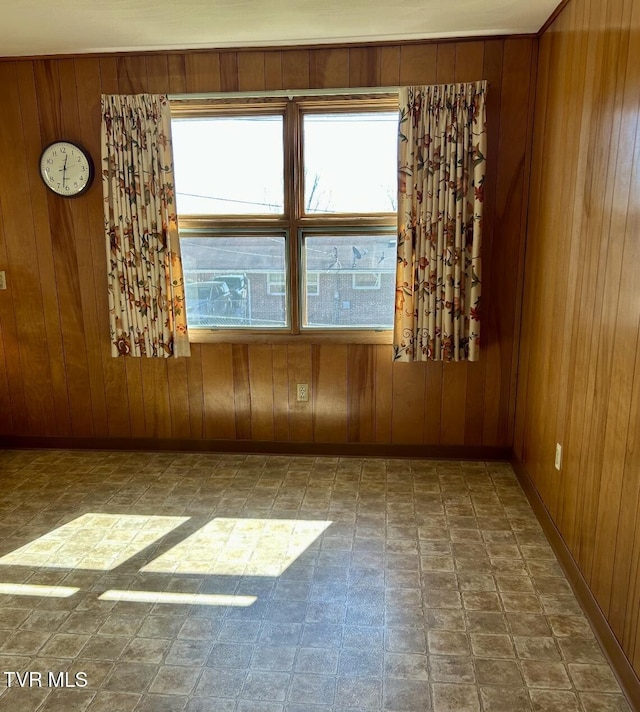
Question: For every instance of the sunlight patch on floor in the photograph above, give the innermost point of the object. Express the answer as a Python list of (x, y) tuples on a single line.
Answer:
[(240, 547), (189, 599), (93, 541), (25, 589)]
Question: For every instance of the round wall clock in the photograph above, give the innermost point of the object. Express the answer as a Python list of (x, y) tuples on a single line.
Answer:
[(66, 168)]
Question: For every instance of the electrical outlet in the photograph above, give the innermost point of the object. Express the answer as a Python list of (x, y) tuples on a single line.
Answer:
[(302, 392), (558, 456), (3, 280)]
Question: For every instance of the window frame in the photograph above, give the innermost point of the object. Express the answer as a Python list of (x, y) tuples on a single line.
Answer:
[(294, 222)]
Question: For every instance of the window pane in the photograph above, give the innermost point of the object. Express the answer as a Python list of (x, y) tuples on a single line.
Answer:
[(229, 165), (356, 281), (230, 281), (350, 162)]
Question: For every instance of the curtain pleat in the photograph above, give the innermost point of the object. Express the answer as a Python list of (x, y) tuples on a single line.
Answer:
[(144, 267), (442, 166)]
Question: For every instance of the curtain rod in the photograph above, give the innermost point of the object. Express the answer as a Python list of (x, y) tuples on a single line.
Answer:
[(289, 93)]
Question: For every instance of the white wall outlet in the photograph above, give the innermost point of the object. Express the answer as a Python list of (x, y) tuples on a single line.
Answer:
[(558, 456), (3, 280), (302, 391)]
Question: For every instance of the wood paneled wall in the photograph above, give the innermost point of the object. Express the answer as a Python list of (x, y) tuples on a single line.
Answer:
[(57, 377), (579, 381)]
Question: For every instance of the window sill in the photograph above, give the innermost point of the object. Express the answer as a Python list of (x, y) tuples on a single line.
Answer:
[(334, 336)]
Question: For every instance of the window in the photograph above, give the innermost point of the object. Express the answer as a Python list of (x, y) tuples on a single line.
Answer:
[(313, 284), (366, 280), (287, 214), (276, 283)]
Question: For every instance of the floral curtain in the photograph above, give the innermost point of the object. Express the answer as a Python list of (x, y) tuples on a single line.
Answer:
[(145, 281), (442, 167)]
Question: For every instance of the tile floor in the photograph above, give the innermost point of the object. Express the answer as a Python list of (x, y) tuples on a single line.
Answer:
[(212, 583)]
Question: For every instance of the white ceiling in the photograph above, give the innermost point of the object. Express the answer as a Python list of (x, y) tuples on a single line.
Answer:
[(39, 27)]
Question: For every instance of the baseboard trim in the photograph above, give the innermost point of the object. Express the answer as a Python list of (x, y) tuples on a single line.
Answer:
[(619, 662), (440, 452)]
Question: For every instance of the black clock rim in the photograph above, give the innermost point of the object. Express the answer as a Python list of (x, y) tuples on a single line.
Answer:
[(84, 152)]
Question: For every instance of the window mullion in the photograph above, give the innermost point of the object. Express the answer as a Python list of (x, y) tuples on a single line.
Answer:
[(293, 182)]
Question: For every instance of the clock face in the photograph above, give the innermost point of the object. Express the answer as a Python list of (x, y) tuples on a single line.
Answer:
[(66, 169)]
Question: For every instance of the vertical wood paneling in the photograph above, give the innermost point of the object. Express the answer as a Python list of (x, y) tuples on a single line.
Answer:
[(162, 410), (383, 391), (202, 72), (241, 390), (5, 400), (418, 64), (295, 69), (52, 347), (364, 66), (624, 612), (196, 392), (217, 387), (229, 71), (141, 398), (108, 75), (361, 372), (595, 240), (15, 420), (177, 73), (261, 385), (224, 391), (91, 249), (445, 62), (607, 271), (579, 375), (22, 260), (273, 70), (329, 68), (433, 397), (511, 183), (570, 417), (453, 411), (157, 71), (620, 335), (469, 61), (179, 403), (329, 389), (251, 76), (132, 74), (390, 66), (281, 394), (70, 229), (409, 402)]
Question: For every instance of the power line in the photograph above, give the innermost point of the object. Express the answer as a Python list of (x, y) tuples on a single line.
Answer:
[(248, 202), (230, 200)]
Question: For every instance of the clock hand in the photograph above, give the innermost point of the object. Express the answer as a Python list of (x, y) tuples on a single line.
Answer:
[(64, 171)]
